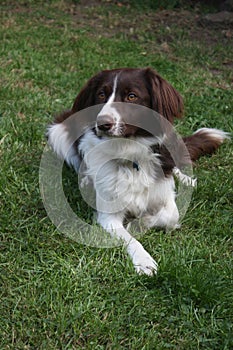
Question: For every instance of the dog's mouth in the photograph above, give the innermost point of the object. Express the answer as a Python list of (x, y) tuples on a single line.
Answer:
[(119, 130)]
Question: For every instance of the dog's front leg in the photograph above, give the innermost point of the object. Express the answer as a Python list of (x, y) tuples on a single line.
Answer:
[(142, 261)]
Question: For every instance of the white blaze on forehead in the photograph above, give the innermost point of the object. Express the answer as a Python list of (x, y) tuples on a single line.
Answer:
[(112, 96), (108, 108)]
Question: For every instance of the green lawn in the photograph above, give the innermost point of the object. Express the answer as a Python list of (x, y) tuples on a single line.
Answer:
[(56, 293)]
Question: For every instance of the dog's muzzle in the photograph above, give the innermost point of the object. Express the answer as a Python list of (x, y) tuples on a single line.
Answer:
[(105, 123)]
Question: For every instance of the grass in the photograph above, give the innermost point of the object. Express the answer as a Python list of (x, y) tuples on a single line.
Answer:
[(58, 294)]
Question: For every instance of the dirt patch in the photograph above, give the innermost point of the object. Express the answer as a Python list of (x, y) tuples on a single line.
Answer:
[(156, 30), (122, 18), (110, 18), (221, 18)]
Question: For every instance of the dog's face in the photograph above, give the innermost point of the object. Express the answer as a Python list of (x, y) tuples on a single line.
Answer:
[(143, 87)]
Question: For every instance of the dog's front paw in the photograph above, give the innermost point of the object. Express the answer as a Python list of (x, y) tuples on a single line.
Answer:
[(143, 262)]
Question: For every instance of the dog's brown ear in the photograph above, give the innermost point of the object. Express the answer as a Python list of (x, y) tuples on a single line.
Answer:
[(86, 97), (164, 98)]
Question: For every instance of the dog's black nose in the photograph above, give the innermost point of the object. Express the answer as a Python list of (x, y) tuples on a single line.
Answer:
[(104, 122)]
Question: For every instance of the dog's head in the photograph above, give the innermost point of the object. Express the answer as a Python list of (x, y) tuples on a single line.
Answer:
[(143, 87)]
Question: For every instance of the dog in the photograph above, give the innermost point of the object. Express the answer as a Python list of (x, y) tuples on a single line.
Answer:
[(129, 165)]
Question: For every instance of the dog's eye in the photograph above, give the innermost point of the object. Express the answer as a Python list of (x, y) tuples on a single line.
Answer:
[(132, 96), (101, 95)]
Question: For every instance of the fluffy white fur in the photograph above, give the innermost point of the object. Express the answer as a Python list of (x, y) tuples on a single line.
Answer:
[(61, 143)]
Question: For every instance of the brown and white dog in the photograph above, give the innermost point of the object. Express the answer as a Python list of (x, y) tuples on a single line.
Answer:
[(123, 159)]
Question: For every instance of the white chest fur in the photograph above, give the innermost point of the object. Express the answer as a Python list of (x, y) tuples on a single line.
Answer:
[(123, 174)]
